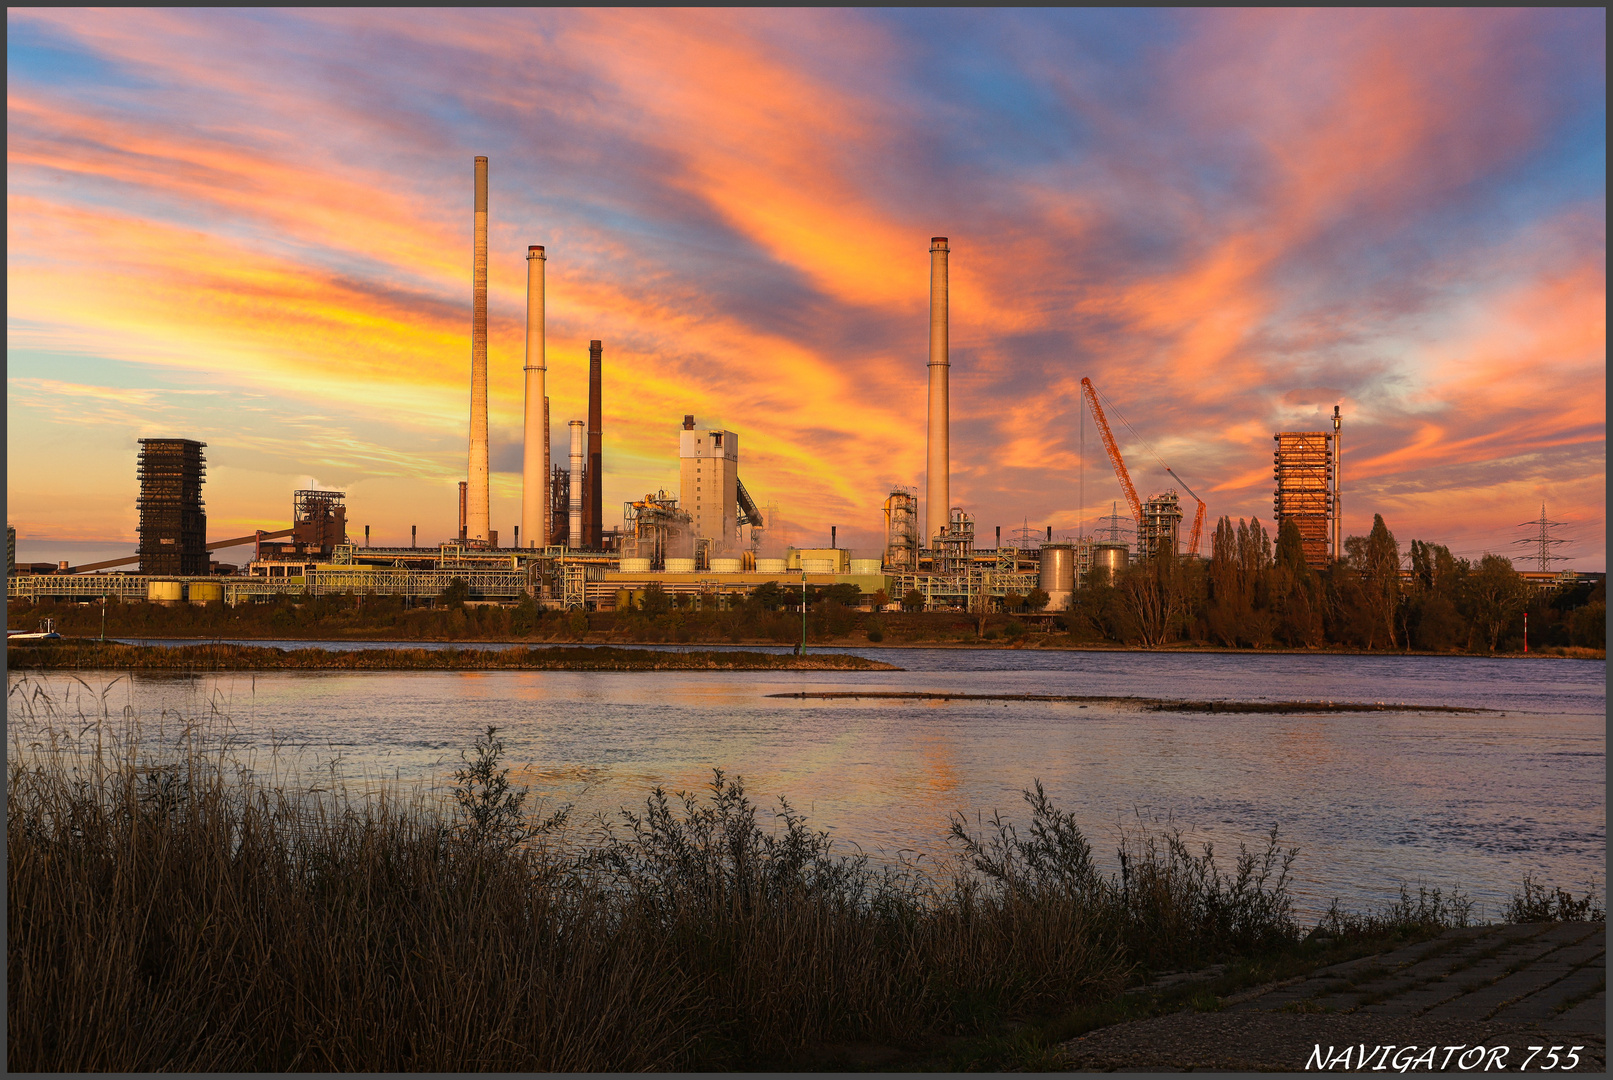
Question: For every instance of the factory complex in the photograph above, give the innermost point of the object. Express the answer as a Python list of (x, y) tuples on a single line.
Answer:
[(706, 542)]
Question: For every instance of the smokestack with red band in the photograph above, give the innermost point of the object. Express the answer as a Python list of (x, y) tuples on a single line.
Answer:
[(938, 465), (593, 501), (534, 432), (476, 508)]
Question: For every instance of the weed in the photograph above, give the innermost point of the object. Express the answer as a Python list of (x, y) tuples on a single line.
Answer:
[(1536, 903)]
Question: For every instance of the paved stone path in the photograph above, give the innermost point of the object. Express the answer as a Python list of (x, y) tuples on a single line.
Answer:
[(1512, 986)]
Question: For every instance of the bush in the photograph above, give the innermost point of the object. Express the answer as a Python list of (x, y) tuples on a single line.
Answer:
[(1536, 903)]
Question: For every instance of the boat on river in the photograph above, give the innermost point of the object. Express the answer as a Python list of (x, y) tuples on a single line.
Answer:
[(46, 632)]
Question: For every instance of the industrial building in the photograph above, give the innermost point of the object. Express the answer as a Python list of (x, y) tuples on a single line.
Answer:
[(705, 542), (173, 523), (1306, 466)]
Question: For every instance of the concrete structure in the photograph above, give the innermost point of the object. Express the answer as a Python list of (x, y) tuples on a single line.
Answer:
[(1338, 486), (708, 461), (938, 493), (1303, 465), (575, 536), (535, 415), (593, 507), (1057, 575), (173, 522), (477, 523), (11, 550)]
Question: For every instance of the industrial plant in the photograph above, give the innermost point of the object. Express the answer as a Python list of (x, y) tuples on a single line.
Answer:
[(706, 541)]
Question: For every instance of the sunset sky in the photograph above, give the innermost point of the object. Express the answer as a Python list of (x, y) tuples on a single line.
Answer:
[(253, 228)]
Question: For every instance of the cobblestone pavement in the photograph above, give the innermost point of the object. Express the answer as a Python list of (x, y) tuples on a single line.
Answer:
[(1513, 986)]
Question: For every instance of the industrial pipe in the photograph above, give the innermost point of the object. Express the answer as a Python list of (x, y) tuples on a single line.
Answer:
[(937, 475), (577, 436), (534, 431), (476, 515)]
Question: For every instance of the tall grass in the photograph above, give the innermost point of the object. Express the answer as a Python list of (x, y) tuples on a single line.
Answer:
[(176, 909)]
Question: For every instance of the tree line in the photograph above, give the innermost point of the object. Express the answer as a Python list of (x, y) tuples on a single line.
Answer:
[(1252, 593)]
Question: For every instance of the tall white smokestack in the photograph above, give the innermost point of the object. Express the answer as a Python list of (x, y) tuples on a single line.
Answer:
[(579, 437), (937, 470), (476, 508), (534, 433)]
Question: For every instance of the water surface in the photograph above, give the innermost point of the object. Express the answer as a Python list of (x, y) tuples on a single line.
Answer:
[(1372, 800)]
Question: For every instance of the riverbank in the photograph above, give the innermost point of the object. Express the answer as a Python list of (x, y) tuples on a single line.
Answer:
[(72, 653), (358, 619)]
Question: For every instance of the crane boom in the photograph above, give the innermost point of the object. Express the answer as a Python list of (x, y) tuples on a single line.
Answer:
[(1091, 395), (1198, 518)]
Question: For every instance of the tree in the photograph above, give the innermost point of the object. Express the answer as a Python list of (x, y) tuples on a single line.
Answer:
[(456, 593), (913, 601), (1037, 600), (1153, 593), (769, 596), (1496, 593), (656, 601), (1375, 558)]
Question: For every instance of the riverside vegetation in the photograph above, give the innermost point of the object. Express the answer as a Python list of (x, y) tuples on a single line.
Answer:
[(177, 910), (1248, 594)]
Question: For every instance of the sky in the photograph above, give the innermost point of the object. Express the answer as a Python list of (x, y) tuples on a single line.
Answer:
[(253, 228)]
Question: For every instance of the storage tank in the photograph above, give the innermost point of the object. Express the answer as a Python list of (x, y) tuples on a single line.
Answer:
[(635, 566), (725, 566), (770, 566), (1111, 557), (818, 566), (680, 566), (165, 592), (865, 566), (1058, 576), (203, 591)]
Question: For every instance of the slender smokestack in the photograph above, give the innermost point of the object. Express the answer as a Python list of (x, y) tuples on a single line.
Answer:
[(534, 466), (937, 475), (462, 486), (476, 511), (596, 450), (576, 482), (1338, 487)]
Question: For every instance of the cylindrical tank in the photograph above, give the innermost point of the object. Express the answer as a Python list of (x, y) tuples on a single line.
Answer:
[(818, 566), (1058, 576), (203, 591), (725, 566), (680, 566), (865, 566), (165, 592), (1112, 558), (770, 566), (635, 566)]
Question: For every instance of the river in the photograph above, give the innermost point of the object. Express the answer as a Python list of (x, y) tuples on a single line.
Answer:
[(1372, 800)]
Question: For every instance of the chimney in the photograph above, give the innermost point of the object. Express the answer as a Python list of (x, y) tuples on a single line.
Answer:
[(462, 486), (594, 502), (366, 536), (1050, 534), (411, 535), (518, 536), (476, 508), (833, 543), (999, 537), (688, 421), (1338, 487), (535, 426), (548, 481), (576, 482), (937, 475)]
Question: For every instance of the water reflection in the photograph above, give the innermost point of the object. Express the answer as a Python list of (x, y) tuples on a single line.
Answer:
[(1371, 799)]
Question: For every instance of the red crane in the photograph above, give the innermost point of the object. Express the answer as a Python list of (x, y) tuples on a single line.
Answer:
[(1091, 394)]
